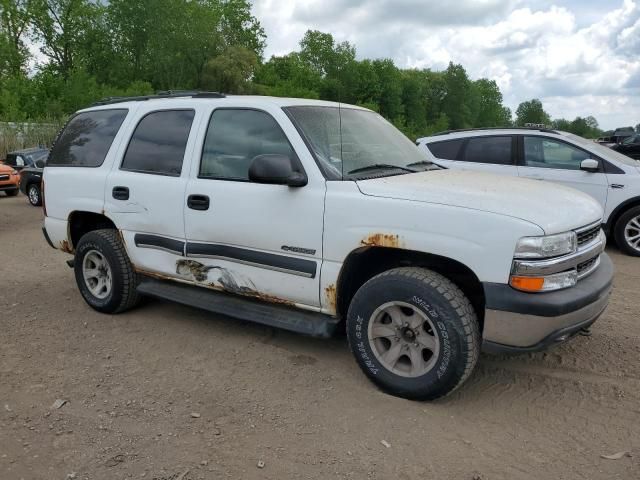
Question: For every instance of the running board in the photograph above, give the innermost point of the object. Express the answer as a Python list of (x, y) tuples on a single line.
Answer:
[(242, 308)]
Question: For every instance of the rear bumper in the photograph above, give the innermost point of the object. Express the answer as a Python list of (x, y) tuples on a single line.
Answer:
[(524, 322)]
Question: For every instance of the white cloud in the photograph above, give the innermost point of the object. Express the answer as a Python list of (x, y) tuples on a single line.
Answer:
[(578, 57)]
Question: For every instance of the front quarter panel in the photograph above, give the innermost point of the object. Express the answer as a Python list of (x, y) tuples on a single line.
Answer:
[(484, 242)]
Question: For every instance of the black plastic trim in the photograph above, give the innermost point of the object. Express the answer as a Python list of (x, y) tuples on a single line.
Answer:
[(268, 260), (46, 237), (552, 304), (619, 210), (144, 240)]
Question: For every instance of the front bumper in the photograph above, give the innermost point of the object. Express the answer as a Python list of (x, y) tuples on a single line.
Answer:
[(524, 322)]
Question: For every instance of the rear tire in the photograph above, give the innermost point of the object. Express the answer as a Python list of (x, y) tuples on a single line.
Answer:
[(104, 274), (12, 193), (626, 232), (414, 333), (33, 194)]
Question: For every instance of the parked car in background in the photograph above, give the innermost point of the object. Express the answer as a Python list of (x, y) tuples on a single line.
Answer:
[(243, 206), (630, 146), (28, 157), (31, 180), (9, 180), (543, 154)]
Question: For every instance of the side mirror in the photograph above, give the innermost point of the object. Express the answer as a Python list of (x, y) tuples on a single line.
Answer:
[(275, 169), (589, 165)]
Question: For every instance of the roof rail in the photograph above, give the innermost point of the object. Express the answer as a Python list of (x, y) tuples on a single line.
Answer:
[(446, 132), (159, 95)]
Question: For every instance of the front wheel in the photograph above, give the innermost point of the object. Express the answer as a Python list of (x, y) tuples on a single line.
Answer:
[(414, 333), (33, 193), (627, 232), (105, 277)]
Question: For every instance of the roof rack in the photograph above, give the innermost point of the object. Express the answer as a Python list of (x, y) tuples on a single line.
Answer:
[(162, 94), (446, 132)]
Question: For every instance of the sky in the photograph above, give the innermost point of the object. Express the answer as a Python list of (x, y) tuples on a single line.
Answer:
[(579, 57)]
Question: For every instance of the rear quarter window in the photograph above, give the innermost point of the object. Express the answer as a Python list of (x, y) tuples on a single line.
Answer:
[(447, 150), (86, 139)]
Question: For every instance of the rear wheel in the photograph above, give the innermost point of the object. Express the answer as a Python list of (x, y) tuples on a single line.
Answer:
[(11, 193), (104, 274), (33, 193), (414, 333), (627, 232)]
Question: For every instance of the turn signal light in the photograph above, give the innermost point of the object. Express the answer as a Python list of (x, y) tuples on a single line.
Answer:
[(528, 284)]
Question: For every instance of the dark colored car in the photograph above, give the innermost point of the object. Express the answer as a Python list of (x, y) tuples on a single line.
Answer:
[(630, 146), (28, 157), (31, 180)]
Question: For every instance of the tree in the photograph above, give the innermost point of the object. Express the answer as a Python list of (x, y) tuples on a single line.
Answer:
[(14, 21), (457, 103), (638, 128), (491, 113), (231, 71), (531, 112)]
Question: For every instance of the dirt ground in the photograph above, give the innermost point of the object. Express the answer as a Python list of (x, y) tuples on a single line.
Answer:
[(165, 389)]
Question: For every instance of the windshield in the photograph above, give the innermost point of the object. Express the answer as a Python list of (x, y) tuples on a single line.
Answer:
[(601, 150), (352, 143), (631, 139)]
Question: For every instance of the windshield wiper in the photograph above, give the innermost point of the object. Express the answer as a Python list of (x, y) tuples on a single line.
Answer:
[(378, 166)]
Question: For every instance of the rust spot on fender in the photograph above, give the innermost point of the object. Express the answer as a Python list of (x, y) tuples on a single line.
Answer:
[(331, 296), (381, 240), (66, 247)]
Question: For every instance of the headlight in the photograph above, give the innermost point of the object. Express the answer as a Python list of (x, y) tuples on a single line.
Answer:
[(14, 172), (547, 246)]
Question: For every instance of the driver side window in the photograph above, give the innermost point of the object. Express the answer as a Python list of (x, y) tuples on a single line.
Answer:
[(234, 138), (545, 152)]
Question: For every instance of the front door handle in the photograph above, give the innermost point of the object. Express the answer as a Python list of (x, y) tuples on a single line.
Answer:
[(120, 193), (198, 202)]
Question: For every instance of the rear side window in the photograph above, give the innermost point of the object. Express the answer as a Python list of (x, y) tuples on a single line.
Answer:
[(495, 150), (158, 143), (447, 150), (86, 139)]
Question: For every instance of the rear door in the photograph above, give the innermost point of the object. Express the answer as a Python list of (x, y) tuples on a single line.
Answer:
[(553, 160), (144, 192), (487, 153)]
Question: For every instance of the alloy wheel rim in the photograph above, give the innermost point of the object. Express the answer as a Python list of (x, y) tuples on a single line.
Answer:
[(97, 274), (632, 233), (403, 339), (33, 194)]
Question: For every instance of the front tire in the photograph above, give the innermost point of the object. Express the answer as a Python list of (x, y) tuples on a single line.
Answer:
[(627, 232), (104, 274), (414, 333), (33, 193)]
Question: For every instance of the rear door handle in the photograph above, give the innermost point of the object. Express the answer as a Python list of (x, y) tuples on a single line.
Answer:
[(120, 193), (198, 202)]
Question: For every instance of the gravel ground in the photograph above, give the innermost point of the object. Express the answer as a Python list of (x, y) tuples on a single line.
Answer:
[(170, 392)]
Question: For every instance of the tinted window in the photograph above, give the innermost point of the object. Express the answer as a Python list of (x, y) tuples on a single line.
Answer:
[(447, 150), (158, 143), (86, 139), (547, 153), (235, 137), (489, 150)]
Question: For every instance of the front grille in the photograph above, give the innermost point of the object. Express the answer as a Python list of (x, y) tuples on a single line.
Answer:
[(588, 266), (587, 234), (4, 177)]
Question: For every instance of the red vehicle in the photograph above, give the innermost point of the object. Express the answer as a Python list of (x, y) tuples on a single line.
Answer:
[(9, 180)]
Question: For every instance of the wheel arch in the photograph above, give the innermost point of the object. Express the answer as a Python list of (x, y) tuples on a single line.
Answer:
[(618, 212), (364, 263), (81, 222)]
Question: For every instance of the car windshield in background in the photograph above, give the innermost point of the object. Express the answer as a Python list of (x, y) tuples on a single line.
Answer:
[(353, 143), (601, 150)]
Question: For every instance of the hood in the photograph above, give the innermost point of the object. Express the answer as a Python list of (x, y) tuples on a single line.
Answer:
[(6, 168), (553, 207)]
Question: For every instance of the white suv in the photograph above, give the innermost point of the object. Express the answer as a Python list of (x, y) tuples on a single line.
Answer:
[(608, 176), (309, 215)]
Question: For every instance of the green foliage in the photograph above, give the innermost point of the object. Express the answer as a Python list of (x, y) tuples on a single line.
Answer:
[(95, 49)]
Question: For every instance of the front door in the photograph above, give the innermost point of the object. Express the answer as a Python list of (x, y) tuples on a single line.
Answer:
[(545, 158), (144, 192), (247, 238)]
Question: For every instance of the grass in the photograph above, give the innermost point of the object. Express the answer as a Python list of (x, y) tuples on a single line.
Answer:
[(16, 136)]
